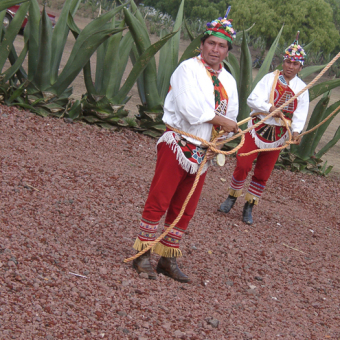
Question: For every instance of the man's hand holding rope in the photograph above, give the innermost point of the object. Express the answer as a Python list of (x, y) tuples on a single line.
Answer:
[(227, 126)]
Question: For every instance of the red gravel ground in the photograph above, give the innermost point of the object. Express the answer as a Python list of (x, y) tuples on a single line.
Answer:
[(71, 199)]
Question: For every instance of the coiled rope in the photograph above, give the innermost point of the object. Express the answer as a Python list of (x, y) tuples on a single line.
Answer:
[(213, 146)]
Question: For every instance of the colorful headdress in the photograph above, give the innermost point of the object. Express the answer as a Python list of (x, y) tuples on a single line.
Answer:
[(295, 52), (221, 28)]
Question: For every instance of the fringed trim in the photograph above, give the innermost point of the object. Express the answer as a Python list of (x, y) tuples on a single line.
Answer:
[(165, 251), (251, 198), (235, 193), (140, 245), (185, 164), (263, 145)]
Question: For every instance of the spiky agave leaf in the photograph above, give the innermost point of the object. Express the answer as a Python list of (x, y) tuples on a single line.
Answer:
[(9, 3), (11, 33)]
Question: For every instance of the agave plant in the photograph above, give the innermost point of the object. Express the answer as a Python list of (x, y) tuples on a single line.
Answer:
[(104, 101), (8, 3), (154, 83), (7, 50), (43, 90)]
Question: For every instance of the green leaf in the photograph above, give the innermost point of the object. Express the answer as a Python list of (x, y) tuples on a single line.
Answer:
[(142, 41), (2, 17), (321, 130), (75, 111), (245, 83), (164, 68), (305, 150), (325, 86), (92, 28), (125, 47), (80, 56), (169, 62), (16, 66), (59, 38), (140, 80), (9, 3), (33, 34), (330, 144), (88, 79), (43, 73), (11, 33), (100, 66), (307, 71), (191, 36), (191, 50), (110, 80), (72, 26), (267, 60), (234, 67), (139, 66)]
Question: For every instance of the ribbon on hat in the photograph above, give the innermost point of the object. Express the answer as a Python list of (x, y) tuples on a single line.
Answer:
[(221, 28)]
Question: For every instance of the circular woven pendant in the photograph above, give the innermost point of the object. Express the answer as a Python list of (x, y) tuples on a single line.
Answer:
[(220, 159)]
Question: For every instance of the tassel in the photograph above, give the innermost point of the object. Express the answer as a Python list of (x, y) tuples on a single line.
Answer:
[(251, 198), (235, 193), (165, 251), (140, 245)]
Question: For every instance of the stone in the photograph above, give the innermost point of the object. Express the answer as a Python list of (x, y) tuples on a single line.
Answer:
[(144, 275), (213, 322), (103, 271)]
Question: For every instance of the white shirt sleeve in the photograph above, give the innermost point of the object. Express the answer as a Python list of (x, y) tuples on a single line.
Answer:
[(301, 112), (258, 100), (190, 101)]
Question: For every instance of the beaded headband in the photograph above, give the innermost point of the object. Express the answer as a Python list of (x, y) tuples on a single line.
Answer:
[(221, 28), (295, 52)]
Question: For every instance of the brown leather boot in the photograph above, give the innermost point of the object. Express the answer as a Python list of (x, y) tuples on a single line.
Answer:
[(142, 265), (168, 266)]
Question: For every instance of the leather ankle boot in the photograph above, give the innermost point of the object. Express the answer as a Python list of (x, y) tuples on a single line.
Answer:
[(247, 213), (227, 204), (142, 265), (168, 266)]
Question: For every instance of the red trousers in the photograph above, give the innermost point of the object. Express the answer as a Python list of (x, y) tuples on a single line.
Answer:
[(169, 189), (264, 166)]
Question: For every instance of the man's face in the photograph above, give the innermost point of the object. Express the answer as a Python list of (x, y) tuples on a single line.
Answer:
[(214, 50), (290, 69)]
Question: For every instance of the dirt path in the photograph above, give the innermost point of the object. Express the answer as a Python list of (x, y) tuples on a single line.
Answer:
[(79, 89), (71, 197)]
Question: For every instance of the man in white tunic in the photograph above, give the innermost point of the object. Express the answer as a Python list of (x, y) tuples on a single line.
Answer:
[(202, 96), (271, 92)]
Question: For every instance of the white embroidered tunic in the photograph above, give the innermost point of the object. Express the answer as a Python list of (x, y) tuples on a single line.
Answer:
[(258, 101), (191, 102)]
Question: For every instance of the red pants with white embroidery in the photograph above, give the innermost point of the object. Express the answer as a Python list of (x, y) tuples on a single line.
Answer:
[(263, 168), (169, 189)]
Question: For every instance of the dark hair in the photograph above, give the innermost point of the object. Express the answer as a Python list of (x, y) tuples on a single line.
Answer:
[(206, 36)]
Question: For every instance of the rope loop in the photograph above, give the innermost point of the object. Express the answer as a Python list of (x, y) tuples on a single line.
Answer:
[(214, 147)]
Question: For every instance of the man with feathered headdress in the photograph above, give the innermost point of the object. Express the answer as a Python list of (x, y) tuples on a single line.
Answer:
[(271, 92)]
